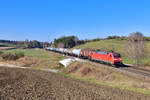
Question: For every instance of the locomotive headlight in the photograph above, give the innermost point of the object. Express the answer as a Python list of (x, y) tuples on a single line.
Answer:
[(117, 59), (120, 59)]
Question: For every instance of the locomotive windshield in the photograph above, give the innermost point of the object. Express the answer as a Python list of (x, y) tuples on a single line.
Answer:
[(117, 55)]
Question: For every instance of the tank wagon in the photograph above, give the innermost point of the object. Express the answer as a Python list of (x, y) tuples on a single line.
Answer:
[(76, 52), (108, 57), (86, 53)]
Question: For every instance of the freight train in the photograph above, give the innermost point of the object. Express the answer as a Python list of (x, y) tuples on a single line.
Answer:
[(108, 57)]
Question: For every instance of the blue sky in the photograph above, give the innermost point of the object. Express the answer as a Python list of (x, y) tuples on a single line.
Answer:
[(45, 20)]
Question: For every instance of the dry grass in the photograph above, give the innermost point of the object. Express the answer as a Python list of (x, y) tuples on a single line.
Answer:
[(73, 68), (100, 74), (25, 61), (86, 70)]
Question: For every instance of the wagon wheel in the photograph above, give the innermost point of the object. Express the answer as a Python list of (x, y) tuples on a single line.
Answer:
[(89, 57)]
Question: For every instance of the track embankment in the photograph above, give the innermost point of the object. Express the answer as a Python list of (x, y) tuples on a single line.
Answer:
[(137, 72)]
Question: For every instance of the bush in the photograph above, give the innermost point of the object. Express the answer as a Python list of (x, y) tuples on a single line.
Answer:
[(1, 52), (10, 56), (86, 70), (72, 68), (21, 54), (113, 37)]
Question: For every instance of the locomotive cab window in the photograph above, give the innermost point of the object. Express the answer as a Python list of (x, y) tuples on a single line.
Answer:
[(117, 55)]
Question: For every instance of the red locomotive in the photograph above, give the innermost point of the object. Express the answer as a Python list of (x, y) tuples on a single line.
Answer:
[(101, 56)]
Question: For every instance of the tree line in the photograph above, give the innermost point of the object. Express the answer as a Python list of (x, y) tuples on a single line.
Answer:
[(67, 42), (36, 44), (25, 44)]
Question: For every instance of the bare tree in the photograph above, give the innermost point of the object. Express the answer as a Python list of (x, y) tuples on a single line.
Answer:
[(136, 47), (60, 45), (76, 40)]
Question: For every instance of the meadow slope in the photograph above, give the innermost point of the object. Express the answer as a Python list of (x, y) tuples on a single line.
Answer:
[(118, 46)]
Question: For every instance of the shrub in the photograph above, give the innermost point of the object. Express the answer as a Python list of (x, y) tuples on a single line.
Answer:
[(20, 54), (72, 69), (10, 56), (58, 67), (86, 70), (1, 52)]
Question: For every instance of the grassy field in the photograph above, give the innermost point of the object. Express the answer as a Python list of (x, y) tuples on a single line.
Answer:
[(36, 58), (29, 52), (118, 46)]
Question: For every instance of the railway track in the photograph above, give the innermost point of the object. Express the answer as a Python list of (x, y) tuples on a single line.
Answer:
[(137, 72), (142, 71)]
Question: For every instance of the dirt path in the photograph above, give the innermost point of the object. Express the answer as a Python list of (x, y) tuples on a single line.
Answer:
[(27, 84)]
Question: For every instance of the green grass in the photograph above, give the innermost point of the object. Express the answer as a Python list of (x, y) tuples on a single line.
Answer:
[(44, 59), (127, 88), (103, 44), (118, 46), (34, 53), (29, 52)]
